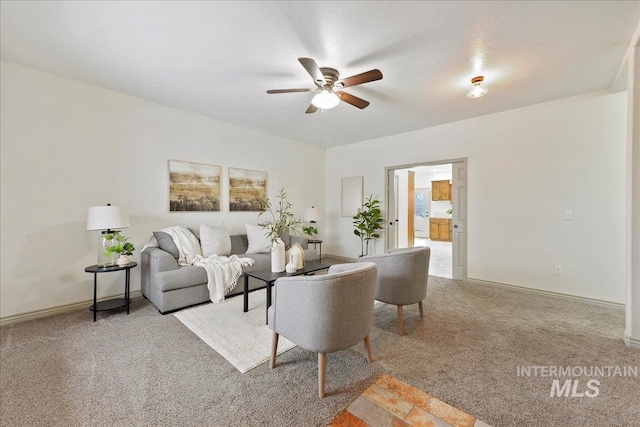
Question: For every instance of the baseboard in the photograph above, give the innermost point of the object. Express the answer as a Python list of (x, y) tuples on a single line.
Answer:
[(57, 310), (549, 293), (341, 258), (631, 342)]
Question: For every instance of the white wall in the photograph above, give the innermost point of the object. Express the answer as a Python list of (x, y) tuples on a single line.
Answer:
[(66, 146), (526, 167)]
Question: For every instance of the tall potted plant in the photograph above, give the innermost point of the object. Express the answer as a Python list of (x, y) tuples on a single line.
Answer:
[(279, 219), (367, 223)]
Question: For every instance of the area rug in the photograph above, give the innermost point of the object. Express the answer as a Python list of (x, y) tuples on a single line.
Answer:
[(242, 338)]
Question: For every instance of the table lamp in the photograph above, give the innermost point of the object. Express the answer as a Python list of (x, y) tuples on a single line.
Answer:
[(312, 214), (108, 219)]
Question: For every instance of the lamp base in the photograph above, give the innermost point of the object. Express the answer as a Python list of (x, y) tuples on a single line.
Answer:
[(106, 240)]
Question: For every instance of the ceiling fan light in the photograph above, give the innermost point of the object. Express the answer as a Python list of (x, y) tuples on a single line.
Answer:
[(477, 90), (325, 100)]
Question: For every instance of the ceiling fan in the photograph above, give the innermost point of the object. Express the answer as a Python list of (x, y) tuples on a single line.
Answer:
[(327, 81)]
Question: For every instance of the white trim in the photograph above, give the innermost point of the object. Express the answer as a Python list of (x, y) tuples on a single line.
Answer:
[(58, 310), (631, 342), (633, 43), (549, 293)]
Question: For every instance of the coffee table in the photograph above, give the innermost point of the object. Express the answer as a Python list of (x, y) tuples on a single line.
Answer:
[(270, 278)]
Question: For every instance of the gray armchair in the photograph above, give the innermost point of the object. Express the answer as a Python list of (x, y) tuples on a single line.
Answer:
[(324, 313), (402, 278)]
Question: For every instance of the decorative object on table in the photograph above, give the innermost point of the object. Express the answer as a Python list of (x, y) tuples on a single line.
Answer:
[(194, 187), (309, 231), (279, 220), (312, 216), (352, 193), (107, 219), (120, 246), (278, 256), (291, 267), (296, 253), (367, 222), (247, 190), (449, 211)]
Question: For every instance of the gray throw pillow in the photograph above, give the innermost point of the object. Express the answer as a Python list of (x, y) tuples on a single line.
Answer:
[(165, 242)]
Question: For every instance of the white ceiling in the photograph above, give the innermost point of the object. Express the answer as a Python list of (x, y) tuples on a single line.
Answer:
[(218, 58)]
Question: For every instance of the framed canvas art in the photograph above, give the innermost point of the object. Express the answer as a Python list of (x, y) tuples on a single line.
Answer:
[(247, 190), (194, 187)]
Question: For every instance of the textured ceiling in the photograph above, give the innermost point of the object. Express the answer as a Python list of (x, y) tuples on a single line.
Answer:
[(218, 58)]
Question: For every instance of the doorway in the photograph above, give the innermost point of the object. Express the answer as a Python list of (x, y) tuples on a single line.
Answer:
[(427, 207)]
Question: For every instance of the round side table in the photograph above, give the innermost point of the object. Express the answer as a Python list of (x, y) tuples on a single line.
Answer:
[(114, 303)]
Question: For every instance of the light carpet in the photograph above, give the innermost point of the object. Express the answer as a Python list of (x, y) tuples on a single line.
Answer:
[(242, 338)]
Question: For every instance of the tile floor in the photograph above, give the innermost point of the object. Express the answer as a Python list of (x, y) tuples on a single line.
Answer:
[(391, 403), (441, 262)]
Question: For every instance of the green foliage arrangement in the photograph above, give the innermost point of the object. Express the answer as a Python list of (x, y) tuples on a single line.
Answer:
[(309, 230), (121, 247), (367, 223), (279, 217), (449, 211)]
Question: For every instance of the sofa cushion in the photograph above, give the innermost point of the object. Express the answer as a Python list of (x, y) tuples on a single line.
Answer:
[(183, 277), (258, 242), (214, 240), (165, 242), (239, 244)]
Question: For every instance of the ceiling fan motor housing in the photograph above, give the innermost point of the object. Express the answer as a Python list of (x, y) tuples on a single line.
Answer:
[(331, 75)]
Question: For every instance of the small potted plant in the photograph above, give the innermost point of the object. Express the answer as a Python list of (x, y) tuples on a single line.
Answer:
[(310, 231), (122, 247)]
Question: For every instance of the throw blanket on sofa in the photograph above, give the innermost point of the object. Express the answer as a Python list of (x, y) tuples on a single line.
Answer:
[(186, 242), (223, 273)]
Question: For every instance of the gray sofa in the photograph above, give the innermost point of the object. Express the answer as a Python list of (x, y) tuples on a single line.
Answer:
[(171, 287)]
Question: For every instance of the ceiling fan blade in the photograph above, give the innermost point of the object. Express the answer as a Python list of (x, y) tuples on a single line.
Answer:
[(312, 109), (353, 100), (288, 90), (313, 70), (358, 79)]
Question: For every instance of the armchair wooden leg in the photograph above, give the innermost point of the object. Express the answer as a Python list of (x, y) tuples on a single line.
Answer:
[(420, 307), (400, 320), (274, 350), (322, 371), (367, 345)]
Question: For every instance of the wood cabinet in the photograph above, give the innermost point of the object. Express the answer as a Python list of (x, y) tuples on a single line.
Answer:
[(440, 190), (440, 229)]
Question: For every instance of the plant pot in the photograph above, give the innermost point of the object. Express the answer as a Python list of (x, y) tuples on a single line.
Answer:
[(123, 260), (278, 258)]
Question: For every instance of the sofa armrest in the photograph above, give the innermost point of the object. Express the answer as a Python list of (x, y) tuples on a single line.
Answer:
[(160, 260), (302, 241), (154, 260)]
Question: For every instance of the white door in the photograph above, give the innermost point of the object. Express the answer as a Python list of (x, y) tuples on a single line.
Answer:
[(392, 212), (458, 221)]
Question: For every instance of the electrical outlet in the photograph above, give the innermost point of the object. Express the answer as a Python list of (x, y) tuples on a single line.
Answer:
[(568, 215), (557, 270)]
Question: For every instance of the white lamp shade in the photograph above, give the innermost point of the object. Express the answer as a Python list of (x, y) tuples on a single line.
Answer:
[(107, 217), (312, 214)]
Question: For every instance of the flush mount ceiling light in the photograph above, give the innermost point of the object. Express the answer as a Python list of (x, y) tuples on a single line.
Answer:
[(326, 99), (477, 90)]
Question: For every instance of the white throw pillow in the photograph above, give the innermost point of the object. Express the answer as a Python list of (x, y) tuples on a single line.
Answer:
[(214, 240), (258, 242)]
